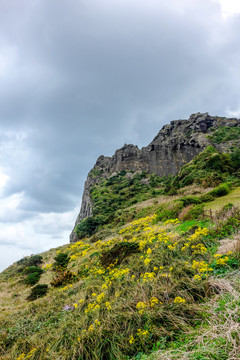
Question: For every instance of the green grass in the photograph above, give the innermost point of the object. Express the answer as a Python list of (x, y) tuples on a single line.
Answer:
[(218, 203), (225, 133)]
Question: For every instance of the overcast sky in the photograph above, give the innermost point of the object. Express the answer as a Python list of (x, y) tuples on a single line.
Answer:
[(79, 78)]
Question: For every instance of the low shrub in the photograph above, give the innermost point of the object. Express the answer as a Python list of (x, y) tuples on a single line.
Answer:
[(194, 212), (32, 278), (63, 278), (33, 269), (61, 261), (37, 292), (169, 211), (220, 191), (118, 253)]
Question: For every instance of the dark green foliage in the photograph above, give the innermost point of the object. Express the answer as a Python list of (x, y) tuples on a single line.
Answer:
[(235, 159), (32, 278), (220, 191), (118, 192), (33, 269), (61, 261), (33, 260), (89, 226), (169, 211), (118, 253), (225, 133), (209, 168), (188, 200), (63, 277), (37, 292)]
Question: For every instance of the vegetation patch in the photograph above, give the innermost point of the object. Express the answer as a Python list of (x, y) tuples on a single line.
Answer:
[(118, 253), (225, 133)]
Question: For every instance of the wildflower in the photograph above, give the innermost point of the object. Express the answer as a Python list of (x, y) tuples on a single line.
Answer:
[(147, 261), (108, 306), (179, 300), (141, 305), (153, 301), (131, 339), (197, 277), (149, 251)]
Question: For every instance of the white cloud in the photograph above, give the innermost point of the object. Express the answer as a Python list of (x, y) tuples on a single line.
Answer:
[(229, 7)]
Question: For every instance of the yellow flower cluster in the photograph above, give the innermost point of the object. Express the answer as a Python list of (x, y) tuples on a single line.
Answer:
[(46, 266), (131, 340), (172, 221), (140, 224), (199, 249), (172, 246), (24, 356), (179, 300), (222, 260), (142, 305), (198, 234), (201, 266), (142, 333), (148, 276)]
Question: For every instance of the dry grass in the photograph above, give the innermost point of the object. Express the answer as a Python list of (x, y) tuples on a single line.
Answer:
[(221, 338)]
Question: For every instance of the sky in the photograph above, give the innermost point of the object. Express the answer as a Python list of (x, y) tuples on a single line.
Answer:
[(79, 78)]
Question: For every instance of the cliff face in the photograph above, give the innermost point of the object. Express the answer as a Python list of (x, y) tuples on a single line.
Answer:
[(175, 145)]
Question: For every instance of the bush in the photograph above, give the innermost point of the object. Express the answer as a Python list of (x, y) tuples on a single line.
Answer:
[(88, 226), (220, 191), (194, 212), (32, 278), (118, 253), (33, 269), (61, 261), (63, 278), (37, 292), (33, 260), (169, 211)]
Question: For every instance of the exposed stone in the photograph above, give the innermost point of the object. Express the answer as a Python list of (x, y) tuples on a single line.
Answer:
[(175, 145)]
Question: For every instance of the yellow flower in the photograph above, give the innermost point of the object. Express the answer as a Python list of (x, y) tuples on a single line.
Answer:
[(149, 251), (108, 306), (179, 300), (131, 340), (147, 261)]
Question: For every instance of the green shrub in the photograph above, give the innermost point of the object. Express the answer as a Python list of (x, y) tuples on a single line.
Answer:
[(61, 261), (33, 269), (220, 191), (118, 253), (32, 278), (37, 292), (88, 226), (225, 133), (169, 211), (194, 213), (33, 260)]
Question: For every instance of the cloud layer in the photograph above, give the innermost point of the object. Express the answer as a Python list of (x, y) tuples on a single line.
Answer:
[(79, 78)]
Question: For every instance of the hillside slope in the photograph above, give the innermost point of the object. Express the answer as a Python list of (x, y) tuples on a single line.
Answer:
[(155, 282)]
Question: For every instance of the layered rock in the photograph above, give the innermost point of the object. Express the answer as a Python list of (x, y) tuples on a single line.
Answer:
[(175, 145)]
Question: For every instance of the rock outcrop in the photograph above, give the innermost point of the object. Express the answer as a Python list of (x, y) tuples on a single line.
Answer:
[(175, 145)]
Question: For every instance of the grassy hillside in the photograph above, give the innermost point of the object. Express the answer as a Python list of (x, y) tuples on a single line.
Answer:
[(158, 280)]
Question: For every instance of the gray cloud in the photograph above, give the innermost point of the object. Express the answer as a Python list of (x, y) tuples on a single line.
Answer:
[(80, 78)]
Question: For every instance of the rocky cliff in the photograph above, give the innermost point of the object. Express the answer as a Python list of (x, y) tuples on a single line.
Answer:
[(176, 144)]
